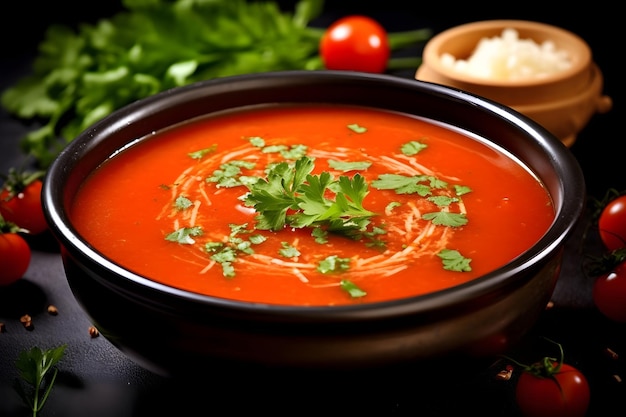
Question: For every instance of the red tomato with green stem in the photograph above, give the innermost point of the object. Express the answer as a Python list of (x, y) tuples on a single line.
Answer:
[(20, 201), (355, 43), (612, 223), (15, 253), (609, 293), (551, 388)]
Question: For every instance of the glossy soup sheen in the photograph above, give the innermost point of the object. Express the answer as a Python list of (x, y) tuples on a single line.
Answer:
[(414, 207)]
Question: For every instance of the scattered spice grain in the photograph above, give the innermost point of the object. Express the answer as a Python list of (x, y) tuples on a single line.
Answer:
[(93, 332), (27, 322), (611, 353), (2, 327), (505, 374), (52, 310)]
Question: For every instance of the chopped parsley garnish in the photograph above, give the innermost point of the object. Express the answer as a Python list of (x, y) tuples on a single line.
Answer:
[(357, 128), (257, 141), (182, 203), (462, 190), (225, 253), (288, 251), (352, 289), (444, 218), (403, 184), (453, 261), (184, 235), (199, 154), (332, 264), (229, 173), (412, 148)]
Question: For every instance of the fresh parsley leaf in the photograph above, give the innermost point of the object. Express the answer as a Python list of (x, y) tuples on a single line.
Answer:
[(293, 189), (256, 141), (412, 148), (185, 235), (352, 289), (226, 253), (444, 218), (229, 174), (403, 184), (200, 153), (294, 152), (274, 148), (462, 190), (332, 264), (442, 200), (257, 239), (453, 261), (357, 128), (34, 367), (288, 251), (182, 203), (320, 235)]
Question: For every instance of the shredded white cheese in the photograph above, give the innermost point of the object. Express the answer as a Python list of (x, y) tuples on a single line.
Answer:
[(507, 57)]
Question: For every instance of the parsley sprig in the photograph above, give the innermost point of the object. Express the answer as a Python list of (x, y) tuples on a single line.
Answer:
[(291, 196), (37, 369)]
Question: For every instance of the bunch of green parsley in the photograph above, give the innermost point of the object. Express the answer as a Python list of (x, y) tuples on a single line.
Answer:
[(81, 75)]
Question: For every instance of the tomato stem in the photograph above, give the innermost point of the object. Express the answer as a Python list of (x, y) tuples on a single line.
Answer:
[(547, 367)]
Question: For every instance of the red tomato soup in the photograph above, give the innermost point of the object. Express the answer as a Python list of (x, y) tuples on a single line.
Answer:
[(311, 205)]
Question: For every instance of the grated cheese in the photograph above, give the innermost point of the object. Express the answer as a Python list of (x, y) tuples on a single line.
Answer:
[(507, 57)]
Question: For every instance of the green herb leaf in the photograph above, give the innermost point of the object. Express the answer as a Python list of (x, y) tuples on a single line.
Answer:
[(443, 200), (184, 235), (454, 261), (352, 289), (34, 366), (182, 203), (202, 152), (403, 184), (444, 218), (412, 148), (288, 251), (292, 188), (462, 190), (357, 128), (332, 264)]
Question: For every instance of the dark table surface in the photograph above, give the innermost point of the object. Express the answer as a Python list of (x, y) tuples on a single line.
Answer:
[(97, 380)]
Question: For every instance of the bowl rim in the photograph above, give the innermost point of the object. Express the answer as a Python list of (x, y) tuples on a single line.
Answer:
[(54, 200), (432, 51)]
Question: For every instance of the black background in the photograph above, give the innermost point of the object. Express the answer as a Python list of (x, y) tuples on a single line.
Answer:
[(97, 380)]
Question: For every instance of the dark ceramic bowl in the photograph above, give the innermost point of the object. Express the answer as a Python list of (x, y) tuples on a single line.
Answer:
[(171, 331)]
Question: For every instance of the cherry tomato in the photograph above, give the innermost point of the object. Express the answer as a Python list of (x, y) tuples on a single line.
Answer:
[(563, 393), (609, 293), (14, 257), (612, 223), (20, 202), (355, 43)]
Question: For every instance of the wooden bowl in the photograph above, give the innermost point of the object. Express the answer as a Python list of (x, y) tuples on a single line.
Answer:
[(562, 102)]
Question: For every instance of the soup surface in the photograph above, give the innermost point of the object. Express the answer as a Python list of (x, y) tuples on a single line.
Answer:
[(311, 205)]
